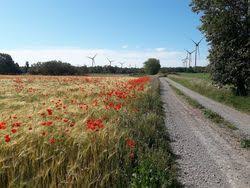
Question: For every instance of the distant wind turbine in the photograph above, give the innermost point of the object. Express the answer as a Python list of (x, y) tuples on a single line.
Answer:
[(121, 63), (93, 59), (110, 61), (197, 50), (184, 61), (189, 56)]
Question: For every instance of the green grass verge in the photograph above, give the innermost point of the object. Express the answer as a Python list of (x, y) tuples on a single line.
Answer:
[(156, 167), (202, 83), (245, 143), (214, 117)]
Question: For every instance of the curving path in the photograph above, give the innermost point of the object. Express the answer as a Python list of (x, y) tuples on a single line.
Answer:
[(205, 158), (239, 119)]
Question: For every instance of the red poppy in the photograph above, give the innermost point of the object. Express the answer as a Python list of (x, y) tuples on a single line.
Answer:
[(47, 123), (130, 143), (2, 125), (52, 140), (72, 124), (7, 138), (13, 130), (118, 106), (49, 111), (16, 124), (65, 120), (94, 125)]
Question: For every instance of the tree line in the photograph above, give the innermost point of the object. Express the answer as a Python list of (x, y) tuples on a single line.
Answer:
[(54, 67)]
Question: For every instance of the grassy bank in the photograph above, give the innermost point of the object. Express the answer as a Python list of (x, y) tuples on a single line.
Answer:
[(201, 83), (88, 132)]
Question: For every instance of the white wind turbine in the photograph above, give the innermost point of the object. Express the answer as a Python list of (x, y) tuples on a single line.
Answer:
[(197, 50), (110, 61), (189, 57), (93, 59)]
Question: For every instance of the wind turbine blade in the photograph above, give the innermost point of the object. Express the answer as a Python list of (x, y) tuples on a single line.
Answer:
[(194, 42), (201, 40), (95, 55)]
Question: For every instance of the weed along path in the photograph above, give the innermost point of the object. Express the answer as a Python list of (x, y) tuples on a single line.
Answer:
[(204, 157), (239, 119)]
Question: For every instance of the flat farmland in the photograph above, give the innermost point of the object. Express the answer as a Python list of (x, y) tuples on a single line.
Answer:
[(82, 131)]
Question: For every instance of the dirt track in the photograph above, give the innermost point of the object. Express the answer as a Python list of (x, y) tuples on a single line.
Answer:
[(239, 119), (205, 158)]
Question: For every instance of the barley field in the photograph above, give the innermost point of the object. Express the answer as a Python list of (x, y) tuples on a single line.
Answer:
[(81, 131)]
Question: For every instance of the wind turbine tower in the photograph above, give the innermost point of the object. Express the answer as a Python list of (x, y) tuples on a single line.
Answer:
[(189, 57), (110, 61), (196, 50), (121, 63), (93, 59)]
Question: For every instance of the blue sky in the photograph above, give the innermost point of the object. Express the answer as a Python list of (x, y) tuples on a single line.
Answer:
[(125, 30)]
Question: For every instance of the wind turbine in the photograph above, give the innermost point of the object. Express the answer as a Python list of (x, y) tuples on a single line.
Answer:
[(110, 61), (121, 63), (197, 50), (184, 61), (189, 56), (93, 59)]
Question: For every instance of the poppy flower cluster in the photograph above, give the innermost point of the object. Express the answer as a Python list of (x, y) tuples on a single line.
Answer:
[(2, 125), (94, 124)]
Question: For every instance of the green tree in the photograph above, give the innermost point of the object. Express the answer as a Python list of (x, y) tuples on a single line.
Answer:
[(152, 66), (225, 24), (7, 65)]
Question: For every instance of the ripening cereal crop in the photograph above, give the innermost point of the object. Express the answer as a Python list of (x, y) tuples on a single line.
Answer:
[(64, 131)]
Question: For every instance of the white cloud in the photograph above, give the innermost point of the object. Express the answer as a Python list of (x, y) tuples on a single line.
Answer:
[(160, 49), (78, 56), (125, 46)]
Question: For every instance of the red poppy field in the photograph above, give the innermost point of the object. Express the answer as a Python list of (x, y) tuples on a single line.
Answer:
[(83, 132)]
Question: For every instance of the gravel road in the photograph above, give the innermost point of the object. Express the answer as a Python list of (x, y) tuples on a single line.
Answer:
[(239, 119), (205, 158)]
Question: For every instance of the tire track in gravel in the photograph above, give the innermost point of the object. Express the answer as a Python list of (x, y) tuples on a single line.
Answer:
[(205, 159), (241, 120)]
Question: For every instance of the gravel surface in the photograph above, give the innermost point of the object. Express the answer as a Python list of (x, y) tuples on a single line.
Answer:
[(205, 158), (239, 119)]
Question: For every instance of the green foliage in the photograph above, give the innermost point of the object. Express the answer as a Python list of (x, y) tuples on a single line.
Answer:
[(152, 66), (226, 27), (196, 69), (7, 65), (53, 68), (245, 143)]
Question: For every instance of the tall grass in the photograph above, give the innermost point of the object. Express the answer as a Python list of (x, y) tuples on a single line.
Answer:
[(201, 83), (131, 150)]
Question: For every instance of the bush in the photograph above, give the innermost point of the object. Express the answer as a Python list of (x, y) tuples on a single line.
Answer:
[(152, 66), (53, 68)]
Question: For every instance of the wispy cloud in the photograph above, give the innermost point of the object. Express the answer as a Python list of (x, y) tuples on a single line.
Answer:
[(160, 49), (125, 46), (78, 56)]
